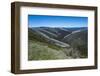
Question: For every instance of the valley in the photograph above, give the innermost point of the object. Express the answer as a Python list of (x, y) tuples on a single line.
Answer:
[(49, 43)]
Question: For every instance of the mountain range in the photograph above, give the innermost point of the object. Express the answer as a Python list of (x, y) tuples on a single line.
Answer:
[(70, 41)]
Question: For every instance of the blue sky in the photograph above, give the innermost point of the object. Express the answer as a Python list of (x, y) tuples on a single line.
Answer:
[(57, 21)]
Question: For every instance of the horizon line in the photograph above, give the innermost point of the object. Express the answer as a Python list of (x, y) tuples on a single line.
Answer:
[(56, 27)]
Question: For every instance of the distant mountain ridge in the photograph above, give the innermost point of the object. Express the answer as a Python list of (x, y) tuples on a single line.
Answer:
[(57, 32)]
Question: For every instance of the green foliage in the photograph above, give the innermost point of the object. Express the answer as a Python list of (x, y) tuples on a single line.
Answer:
[(40, 51)]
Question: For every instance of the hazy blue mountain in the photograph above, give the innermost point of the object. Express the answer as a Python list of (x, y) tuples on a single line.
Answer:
[(74, 29)]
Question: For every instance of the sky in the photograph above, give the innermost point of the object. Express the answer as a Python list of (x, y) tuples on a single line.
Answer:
[(57, 21)]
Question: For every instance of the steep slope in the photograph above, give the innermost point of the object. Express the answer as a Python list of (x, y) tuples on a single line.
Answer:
[(48, 33), (78, 40), (52, 30), (62, 33), (56, 33), (38, 35)]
